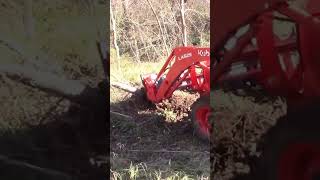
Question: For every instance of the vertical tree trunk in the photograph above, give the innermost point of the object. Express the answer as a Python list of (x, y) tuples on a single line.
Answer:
[(137, 49), (114, 30), (144, 42), (160, 27), (130, 30), (183, 23)]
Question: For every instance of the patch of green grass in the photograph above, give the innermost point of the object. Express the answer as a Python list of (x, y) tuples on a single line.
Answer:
[(125, 69), (169, 114)]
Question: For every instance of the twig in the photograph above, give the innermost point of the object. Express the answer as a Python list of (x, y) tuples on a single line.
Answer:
[(13, 46), (53, 108), (169, 151), (123, 115)]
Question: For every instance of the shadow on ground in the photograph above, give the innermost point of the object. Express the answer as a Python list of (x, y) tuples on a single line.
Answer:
[(147, 133), (60, 149)]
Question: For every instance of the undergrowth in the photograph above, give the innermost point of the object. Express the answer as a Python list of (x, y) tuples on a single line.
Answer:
[(126, 69)]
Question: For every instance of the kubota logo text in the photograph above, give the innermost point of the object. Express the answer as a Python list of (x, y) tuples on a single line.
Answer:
[(204, 52), (184, 56)]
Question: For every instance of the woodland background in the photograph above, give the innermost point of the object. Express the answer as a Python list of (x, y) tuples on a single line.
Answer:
[(148, 30)]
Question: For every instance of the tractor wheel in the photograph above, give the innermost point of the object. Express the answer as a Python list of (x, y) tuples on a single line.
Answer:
[(292, 148), (200, 111)]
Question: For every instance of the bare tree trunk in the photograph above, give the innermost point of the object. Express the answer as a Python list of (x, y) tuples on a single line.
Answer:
[(165, 31), (40, 79), (160, 27), (130, 31), (73, 90), (144, 42), (43, 80), (114, 30), (183, 23), (137, 50), (28, 20), (124, 87)]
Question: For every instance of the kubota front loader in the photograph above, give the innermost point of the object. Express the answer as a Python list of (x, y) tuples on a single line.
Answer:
[(185, 68)]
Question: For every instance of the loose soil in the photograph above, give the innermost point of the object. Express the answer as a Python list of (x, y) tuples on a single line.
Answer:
[(161, 136), (239, 124)]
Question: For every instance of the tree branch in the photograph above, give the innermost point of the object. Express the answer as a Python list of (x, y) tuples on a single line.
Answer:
[(160, 27), (124, 87), (43, 80), (50, 172)]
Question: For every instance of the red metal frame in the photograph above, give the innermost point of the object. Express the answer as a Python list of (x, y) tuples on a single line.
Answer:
[(202, 115), (298, 82), (186, 67)]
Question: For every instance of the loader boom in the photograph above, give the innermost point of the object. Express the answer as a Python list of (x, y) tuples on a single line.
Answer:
[(186, 67), (277, 43)]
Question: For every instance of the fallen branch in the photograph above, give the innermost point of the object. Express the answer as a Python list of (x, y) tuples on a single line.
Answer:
[(170, 151), (45, 81), (15, 47), (54, 173), (123, 115), (49, 82), (124, 87)]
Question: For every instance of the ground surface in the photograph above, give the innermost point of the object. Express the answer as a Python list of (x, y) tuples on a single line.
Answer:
[(159, 138), (153, 141), (157, 141), (239, 125)]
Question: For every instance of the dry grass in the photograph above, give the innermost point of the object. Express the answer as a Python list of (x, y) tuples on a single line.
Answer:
[(127, 70), (239, 123)]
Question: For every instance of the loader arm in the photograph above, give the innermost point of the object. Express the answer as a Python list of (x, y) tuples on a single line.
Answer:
[(186, 67), (286, 76)]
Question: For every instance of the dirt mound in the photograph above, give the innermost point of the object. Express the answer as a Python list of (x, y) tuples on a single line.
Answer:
[(179, 105)]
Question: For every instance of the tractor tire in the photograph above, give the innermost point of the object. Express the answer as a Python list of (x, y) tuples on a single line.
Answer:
[(291, 149), (199, 117)]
